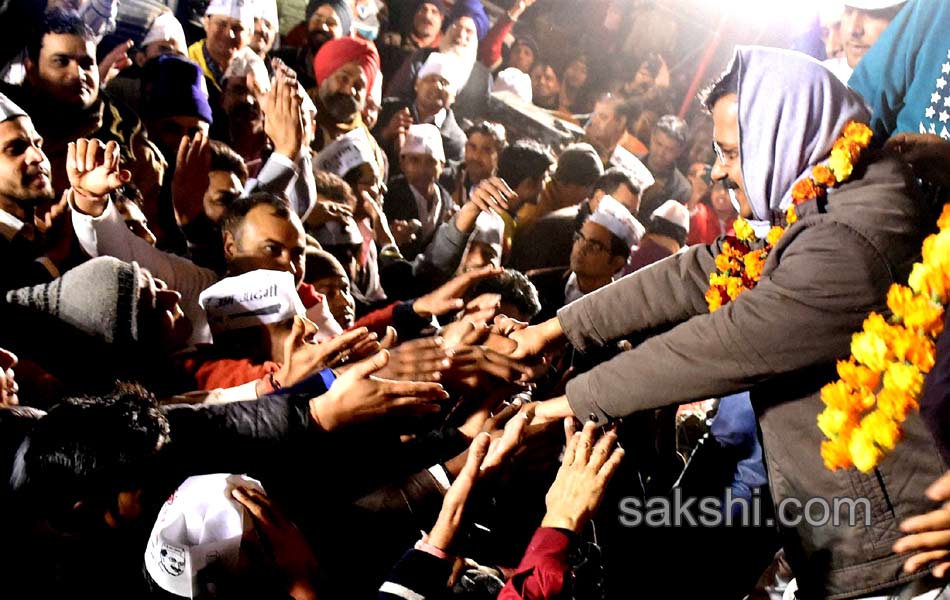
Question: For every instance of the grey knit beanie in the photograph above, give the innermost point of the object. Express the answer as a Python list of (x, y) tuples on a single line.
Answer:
[(99, 297)]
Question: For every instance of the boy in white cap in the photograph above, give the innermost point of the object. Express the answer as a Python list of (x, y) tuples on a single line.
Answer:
[(862, 24), (416, 204), (600, 251), (165, 36)]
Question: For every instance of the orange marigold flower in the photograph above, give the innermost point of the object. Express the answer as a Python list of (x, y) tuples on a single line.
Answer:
[(858, 376), (917, 311), (734, 287), (839, 395), (805, 190), (835, 454), (895, 404), (844, 153), (885, 431), (823, 176), (904, 378), (870, 349), (774, 235), (714, 298), (944, 221), (922, 353), (833, 421), (930, 282), (864, 452), (859, 133), (754, 263), (726, 263), (744, 230), (790, 215)]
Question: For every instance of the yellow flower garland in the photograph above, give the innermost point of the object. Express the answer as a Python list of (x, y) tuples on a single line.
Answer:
[(739, 266), (882, 381)]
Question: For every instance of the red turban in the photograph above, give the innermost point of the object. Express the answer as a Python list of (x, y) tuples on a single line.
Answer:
[(336, 53)]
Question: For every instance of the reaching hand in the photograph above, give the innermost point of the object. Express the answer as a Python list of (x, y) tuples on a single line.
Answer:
[(94, 172), (423, 359), (535, 340), (399, 124), (406, 232), (325, 211), (8, 384), (449, 297), (191, 181), (115, 61), (303, 357), (58, 235), (283, 115), (289, 549), (929, 534), (928, 154), (357, 396), (580, 484)]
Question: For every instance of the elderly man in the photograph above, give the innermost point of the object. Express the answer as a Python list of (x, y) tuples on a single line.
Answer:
[(437, 83), (862, 24), (667, 143), (782, 338), (62, 95)]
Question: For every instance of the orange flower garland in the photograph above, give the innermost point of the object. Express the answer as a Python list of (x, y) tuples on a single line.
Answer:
[(882, 381), (739, 265)]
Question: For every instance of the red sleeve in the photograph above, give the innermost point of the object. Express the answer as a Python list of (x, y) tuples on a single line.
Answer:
[(544, 568), (378, 320), (228, 372), (489, 49)]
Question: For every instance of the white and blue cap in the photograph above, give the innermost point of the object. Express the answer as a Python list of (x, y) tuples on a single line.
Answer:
[(252, 299), (9, 109), (242, 10), (616, 218)]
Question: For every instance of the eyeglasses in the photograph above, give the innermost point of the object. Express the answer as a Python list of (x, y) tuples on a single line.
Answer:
[(595, 245), (725, 158)]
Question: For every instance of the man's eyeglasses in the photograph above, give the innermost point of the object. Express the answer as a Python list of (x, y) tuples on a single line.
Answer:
[(725, 158), (595, 245)]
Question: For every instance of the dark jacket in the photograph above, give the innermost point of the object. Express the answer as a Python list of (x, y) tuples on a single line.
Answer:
[(453, 138), (671, 186), (470, 103), (550, 285), (547, 242), (781, 341), (399, 203)]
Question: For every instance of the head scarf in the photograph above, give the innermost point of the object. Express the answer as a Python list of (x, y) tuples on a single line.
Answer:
[(336, 53), (791, 111), (475, 11), (343, 9)]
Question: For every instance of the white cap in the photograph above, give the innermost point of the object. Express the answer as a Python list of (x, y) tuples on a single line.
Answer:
[(616, 218), (346, 153), (242, 10), (244, 62), (424, 138), (250, 300), (830, 12), (200, 526), (9, 109), (267, 10), (674, 212), (449, 67), (515, 81), (873, 4), (490, 230), (376, 94), (320, 314), (166, 28), (336, 233)]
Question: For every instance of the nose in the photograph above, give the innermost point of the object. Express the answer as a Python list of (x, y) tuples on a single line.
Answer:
[(857, 25), (718, 172), (34, 155)]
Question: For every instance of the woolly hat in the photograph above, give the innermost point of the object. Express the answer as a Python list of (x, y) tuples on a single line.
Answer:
[(99, 297), (9, 109), (343, 9), (579, 164), (173, 86), (474, 10), (337, 53)]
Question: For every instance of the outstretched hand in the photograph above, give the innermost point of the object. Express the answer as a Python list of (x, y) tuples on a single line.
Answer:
[(449, 297), (579, 487), (358, 396), (303, 357), (928, 535), (94, 169)]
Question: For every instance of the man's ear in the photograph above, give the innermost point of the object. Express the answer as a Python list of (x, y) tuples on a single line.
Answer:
[(230, 245), (31, 70), (617, 262)]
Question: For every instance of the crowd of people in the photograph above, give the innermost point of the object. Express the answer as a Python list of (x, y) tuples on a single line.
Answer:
[(305, 310)]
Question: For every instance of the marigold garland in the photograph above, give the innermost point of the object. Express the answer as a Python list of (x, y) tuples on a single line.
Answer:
[(881, 383), (740, 263)]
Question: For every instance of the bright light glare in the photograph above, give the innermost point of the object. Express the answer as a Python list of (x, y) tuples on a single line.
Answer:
[(794, 14)]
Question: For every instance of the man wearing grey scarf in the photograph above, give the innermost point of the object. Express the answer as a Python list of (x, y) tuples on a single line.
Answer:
[(776, 115)]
